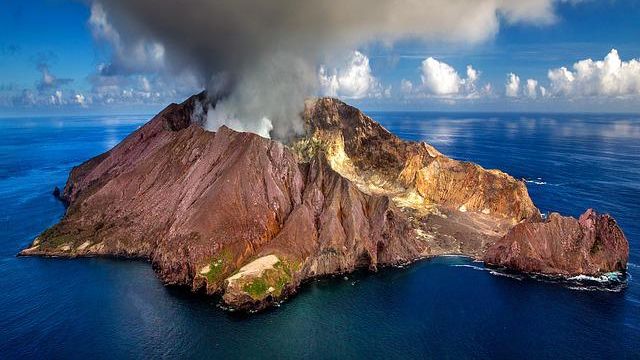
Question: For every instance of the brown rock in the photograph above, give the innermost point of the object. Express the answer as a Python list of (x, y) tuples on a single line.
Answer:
[(591, 245)]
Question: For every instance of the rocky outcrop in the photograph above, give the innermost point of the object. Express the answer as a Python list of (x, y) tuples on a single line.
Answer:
[(590, 245), (251, 218)]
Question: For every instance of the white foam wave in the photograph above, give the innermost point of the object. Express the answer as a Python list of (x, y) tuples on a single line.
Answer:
[(537, 182), (596, 288), (470, 266), (604, 278), (511, 276)]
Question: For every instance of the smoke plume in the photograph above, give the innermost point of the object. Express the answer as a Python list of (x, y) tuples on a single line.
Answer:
[(261, 58)]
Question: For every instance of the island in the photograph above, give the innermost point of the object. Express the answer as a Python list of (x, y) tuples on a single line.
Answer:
[(250, 218)]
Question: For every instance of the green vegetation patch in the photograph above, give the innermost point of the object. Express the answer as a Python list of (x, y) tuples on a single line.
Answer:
[(53, 238), (218, 266), (275, 279)]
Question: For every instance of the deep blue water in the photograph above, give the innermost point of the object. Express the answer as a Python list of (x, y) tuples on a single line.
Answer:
[(442, 308)]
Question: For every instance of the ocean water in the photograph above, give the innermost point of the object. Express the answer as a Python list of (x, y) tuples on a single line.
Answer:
[(448, 307)]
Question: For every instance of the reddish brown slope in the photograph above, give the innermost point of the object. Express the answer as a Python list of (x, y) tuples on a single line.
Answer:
[(592, 244)]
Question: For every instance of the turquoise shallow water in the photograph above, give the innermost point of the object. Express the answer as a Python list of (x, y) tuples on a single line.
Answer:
[(441, 308)]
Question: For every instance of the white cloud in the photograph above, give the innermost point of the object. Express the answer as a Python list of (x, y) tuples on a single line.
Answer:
[(145, 84), (610, 77), (543, 91), (81, 100), (512, 87), (442, 80), (406, 86), (352, 81), (531, 89), (472, 74), (487, 89)]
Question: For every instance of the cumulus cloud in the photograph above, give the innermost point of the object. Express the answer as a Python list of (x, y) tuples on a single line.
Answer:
[(531, 89), (441, 79), (352, 81), (610, 77), (512, 87), (238, 41)]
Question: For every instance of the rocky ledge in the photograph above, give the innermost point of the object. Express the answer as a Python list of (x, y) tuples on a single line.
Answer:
[(250, 218)]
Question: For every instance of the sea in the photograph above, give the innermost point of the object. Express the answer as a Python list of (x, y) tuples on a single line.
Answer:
[(441, 308)]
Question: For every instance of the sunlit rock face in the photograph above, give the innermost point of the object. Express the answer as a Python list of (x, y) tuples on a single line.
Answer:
[(589, 245), (251, 218)]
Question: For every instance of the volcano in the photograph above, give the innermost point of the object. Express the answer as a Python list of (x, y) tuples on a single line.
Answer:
[(250, 218)]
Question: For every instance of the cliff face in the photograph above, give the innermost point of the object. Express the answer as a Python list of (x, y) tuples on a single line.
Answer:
[(379, 162), (592, 244), (250, 218)]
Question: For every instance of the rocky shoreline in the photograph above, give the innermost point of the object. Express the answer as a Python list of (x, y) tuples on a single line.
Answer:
[(250, 218)]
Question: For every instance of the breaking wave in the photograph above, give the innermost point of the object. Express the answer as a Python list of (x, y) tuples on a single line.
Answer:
[(613, 281), (604, 278), (537, 182), (470, 266), (491, 271)]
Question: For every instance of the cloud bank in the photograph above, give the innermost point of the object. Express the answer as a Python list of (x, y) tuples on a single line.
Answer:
[(610, 77)]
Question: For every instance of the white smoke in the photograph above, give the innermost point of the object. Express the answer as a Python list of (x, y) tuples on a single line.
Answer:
[(262, 57)]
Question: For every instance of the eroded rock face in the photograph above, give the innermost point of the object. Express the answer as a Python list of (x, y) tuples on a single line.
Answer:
[(251, 218), (379, 162), (590, 245)]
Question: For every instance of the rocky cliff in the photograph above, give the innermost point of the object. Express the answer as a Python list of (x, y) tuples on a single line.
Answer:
[(591, 244), (251, 218)]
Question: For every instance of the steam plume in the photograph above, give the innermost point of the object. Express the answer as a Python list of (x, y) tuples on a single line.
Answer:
[(262, 57)]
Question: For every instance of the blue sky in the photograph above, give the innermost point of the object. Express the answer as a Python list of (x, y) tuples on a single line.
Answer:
[(48, 47)]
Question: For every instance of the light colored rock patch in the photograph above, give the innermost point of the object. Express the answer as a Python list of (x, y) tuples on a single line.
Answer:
[(65, 247), (97, 248), (424, 235), (433, 152), (205, 270), (84, 245), (339, 160), (463, 208), (410, 199), (254, 268)]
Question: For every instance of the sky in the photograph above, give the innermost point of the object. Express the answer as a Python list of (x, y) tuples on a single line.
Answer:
[(60, 57)]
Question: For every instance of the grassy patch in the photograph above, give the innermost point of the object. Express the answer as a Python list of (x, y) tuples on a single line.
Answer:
[(275, 279), (218, 266), (53, 238), (257, 288)]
